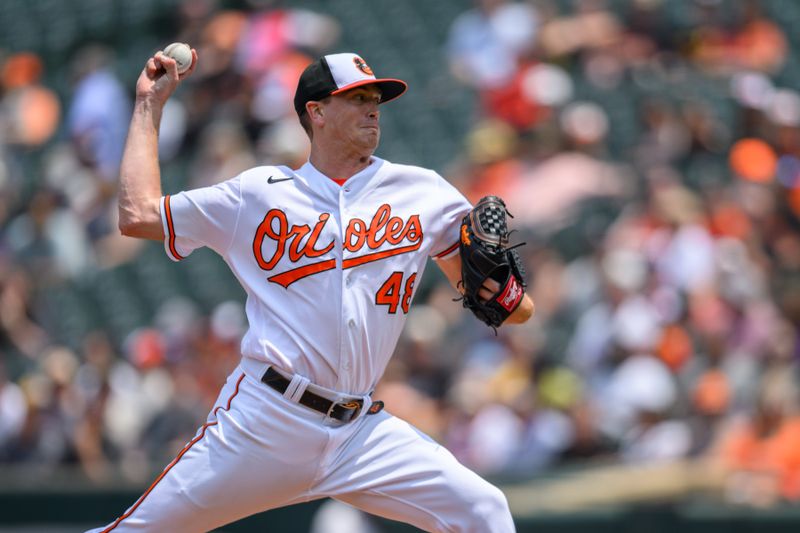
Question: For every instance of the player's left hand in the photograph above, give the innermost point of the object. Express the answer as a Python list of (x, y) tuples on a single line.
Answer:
[(492, 275), (488, 289)]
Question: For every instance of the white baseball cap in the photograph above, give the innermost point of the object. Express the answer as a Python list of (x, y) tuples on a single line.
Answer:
[(336, 73)]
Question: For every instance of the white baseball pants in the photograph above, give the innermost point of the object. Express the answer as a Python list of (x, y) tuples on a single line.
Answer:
[(258, 451)]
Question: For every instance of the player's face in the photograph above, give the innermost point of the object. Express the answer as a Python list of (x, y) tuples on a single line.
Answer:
[(354, 117)]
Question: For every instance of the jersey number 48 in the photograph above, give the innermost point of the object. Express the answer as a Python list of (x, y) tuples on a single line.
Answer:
[(395, 293)]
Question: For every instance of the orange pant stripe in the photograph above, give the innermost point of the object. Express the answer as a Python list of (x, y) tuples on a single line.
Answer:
[(175, 461)]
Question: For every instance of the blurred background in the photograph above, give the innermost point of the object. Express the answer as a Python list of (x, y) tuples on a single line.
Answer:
[(649, 151)]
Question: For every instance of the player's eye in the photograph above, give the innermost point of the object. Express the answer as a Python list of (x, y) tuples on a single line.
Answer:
[(363, 97)]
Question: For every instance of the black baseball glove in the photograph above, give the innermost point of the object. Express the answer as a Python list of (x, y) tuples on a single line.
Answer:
[(485, 254)]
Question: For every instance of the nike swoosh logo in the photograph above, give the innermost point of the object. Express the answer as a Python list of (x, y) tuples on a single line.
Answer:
[(271, 179)]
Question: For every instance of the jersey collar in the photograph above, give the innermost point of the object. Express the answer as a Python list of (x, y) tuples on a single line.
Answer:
[(317, 179)]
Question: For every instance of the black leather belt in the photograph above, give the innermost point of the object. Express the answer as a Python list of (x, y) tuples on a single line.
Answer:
[(342, 411)]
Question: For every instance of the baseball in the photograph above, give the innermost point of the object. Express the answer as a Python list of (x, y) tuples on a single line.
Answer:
[(182, 54)]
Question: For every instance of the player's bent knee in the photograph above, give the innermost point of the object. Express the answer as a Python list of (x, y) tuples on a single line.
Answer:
[(486, 511), (492, 510)]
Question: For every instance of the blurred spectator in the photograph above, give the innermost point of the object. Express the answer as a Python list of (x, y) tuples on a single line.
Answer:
[(562, 180), (489, 48), (754, 43), (491, 165), (591, 25), (762, 451), (99, 112), (486, 41), (224, 152), (49, 239), (20, 331), (97, 121), (13, 412), (31, 111), (274, 48)]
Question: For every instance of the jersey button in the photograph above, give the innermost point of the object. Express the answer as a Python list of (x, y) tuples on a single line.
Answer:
[(352, 323), (346, 365), (349, 281)]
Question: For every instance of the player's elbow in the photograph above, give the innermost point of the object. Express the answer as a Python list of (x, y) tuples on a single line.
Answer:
[(130, 221), (130, 227), (141, 230), (140, 223)]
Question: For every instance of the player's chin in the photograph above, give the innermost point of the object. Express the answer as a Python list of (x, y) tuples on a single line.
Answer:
[(371, 137)]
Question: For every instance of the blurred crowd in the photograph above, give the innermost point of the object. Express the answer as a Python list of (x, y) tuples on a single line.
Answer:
[(649, 154)]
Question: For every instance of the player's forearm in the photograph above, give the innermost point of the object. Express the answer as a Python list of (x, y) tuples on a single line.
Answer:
[(140, 176), (523, 312)]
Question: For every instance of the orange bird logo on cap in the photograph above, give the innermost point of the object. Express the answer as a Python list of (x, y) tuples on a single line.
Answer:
[(362, 66)]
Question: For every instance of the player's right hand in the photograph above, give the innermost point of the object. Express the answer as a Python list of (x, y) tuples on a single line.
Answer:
[(160, 78)]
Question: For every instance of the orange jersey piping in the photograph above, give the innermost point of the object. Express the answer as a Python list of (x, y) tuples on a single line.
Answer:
[(171, 230), (448, 250)]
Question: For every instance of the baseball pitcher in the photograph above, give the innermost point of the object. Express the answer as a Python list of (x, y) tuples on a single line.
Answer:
[(329, 256)]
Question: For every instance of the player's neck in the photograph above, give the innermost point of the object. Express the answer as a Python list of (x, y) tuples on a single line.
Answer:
[(338, 165)]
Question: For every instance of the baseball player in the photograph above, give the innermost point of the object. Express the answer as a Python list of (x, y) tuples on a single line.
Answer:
[(329, 256)]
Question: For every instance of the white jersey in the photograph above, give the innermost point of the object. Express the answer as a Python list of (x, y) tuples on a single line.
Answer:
[(329, 270)]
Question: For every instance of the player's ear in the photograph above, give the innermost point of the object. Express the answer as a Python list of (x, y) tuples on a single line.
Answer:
[(315, 111)]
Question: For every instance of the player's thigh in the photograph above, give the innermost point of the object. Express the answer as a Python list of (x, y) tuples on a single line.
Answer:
[(394, 470), (244, 460)]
